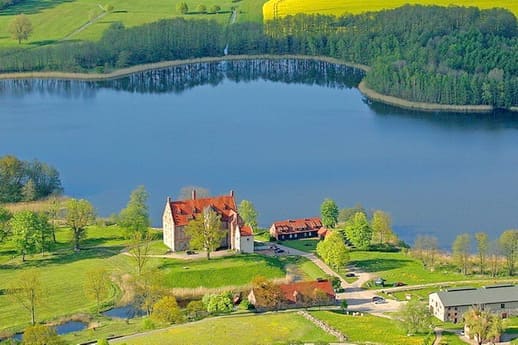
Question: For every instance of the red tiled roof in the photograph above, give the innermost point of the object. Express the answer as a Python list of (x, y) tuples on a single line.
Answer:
[(322, 232), (306, 288), (246, 230), (185, 210), (297, 225)]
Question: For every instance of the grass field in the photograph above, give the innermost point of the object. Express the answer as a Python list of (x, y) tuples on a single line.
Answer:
[(277, 328), (54, 20), (63, 272), (306, 245), (281, 8), (368, 329), (398, 267)]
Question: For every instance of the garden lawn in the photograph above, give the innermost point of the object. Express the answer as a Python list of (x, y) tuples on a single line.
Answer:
[(308, 245), (218, 272), (275, 328), (449, 338), (62, 274), (398, 267), (54, 20), (368, 329), (340, 7)]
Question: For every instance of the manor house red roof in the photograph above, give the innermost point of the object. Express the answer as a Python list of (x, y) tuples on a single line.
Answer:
[(290, 291), (186, 210)]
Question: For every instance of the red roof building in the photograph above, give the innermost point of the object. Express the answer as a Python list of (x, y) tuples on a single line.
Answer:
[(177, 214), (296, 228), (300, 294), (300, 291)]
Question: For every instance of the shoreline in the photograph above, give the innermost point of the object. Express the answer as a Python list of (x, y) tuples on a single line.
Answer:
[(362, 87)]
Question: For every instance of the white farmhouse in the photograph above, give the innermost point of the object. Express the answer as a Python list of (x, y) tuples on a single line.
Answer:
[(451, 304)]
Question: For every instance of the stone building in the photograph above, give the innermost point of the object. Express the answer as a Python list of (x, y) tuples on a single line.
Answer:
[(177, 214), (451, 304)]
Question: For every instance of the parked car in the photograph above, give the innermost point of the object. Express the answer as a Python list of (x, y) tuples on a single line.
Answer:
[(378, 300), (379, 282), (399, 284), (190, 252)]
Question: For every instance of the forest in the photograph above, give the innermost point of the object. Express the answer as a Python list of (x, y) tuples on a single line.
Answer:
[(6, 3), (27, 180), (445, 55)]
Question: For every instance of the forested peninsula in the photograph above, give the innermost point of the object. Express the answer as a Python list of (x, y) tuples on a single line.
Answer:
[(424, 54)]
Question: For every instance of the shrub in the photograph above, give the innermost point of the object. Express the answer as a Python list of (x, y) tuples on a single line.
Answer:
[(103, 341), (166, 310), (216, 304)]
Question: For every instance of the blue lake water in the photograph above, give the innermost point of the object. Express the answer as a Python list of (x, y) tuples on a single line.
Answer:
[(285, 135)]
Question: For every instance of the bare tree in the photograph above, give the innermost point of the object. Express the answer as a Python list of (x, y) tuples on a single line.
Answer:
[(139, 249), (97, 282), (27, 291)]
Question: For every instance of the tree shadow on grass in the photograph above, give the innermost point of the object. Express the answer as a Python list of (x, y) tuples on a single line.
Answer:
[(32, 7), (377, 265), (42, 43)]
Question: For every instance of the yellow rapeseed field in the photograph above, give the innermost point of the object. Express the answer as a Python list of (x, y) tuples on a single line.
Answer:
[(280, 8)]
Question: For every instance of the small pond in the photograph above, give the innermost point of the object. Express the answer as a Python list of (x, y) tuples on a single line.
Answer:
[(70, 326), (125, 312)]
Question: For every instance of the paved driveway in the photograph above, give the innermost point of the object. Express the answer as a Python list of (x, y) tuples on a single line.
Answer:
[(358, 299)]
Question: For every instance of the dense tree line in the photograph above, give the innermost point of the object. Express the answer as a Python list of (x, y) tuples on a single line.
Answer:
[(27, 181), (7, 3), (452, 55)]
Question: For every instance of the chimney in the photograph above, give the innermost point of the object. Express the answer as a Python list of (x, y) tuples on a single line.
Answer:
[(231, 193), (194, 194)]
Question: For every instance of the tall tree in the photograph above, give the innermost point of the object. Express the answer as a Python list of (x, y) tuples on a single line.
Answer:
[(482, 325), (333, 250), (20, 28), (329, 213), (182, 8), (206, 232), (482, 250), (426, 248), (27, 291), (415, 317), (54, 214), (139, 249), (97, 283), (346, 214), (248, 213), (31, 232), (494, 258), (135, 217), (381, 227), (11, 176), (461, 249), (267, 294), (79, 214), (5, 217), (149, 289), (358, 231), (509, 248)]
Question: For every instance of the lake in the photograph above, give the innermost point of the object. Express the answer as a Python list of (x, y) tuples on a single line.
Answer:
[(284, 134)]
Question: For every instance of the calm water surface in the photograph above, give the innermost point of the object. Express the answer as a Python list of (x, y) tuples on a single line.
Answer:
[(285, 135)]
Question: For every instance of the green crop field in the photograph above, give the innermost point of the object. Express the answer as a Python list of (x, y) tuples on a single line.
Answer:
[(368, 329), (281, 8), (57, 20), (276, 328)]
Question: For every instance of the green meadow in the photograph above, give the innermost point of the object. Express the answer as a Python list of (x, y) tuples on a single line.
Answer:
[(63, 273), (272, 328), (56, 20)]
